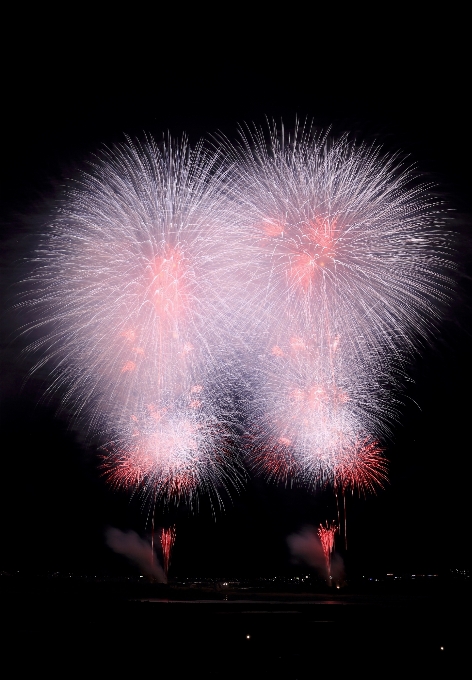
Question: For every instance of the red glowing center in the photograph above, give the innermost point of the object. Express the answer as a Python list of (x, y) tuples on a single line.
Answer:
[(307, 265), (168, 290)]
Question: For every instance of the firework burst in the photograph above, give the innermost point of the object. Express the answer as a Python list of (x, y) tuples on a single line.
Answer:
[(361, 466), (308, 415), (131, 290), (167, 537), (348, 267), (174, 453), (344, 242), (326, 535), (302, 268)]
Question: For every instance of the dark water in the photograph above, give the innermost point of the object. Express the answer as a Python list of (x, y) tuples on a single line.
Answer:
[(63, 631)]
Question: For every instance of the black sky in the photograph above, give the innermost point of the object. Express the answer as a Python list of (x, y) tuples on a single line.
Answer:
[(68, 89)]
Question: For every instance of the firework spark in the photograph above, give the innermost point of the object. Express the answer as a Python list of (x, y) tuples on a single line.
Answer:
[(326, 535), (174, 453), (362, 467), (167, 542)]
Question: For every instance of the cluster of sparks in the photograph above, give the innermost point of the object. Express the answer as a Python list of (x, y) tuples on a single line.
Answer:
[(348, 260), (302, 268), (167, 537), (134, 277), (326, 534)]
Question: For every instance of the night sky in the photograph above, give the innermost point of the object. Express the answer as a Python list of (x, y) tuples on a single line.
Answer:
[(67, 95)]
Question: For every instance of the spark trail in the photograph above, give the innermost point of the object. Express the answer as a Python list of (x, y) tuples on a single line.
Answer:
[(326, 535), (282, 282), (167, 543)]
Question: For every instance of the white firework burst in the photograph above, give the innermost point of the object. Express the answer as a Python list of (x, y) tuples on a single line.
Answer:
[(132, 297), (346, 268), (301, 268), (343, 242)]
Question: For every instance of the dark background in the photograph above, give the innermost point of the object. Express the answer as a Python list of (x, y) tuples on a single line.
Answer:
[(71, 84)]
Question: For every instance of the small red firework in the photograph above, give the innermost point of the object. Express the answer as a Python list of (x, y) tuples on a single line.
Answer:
[(326, 535), (167, 542)]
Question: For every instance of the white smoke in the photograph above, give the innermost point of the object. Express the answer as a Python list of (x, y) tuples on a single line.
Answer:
[(305, 546), (137, 550)]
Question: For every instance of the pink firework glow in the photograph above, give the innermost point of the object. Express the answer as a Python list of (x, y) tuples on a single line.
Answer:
[(167, 543), (348, 258), (310, 420), (183, 451), (133, 297), (361, 467), (345, 240), (275, 286), (326, 535)]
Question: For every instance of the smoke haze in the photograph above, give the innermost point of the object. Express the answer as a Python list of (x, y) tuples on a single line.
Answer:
[(305, 546), (137, 550)]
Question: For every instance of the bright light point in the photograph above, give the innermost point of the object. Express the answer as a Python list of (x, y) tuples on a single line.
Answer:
[(248, 637)]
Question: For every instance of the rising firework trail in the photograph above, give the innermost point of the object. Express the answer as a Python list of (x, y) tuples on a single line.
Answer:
[(167, 543), (326, 535)]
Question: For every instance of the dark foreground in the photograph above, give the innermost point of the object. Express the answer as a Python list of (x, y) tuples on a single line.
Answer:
[(67, 629)]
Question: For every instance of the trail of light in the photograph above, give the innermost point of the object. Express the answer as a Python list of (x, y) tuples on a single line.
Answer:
[(167, 542), (326, 535)]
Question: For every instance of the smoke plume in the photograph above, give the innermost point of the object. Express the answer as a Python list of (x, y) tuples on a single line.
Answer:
[(305, 546), (137, 550)]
